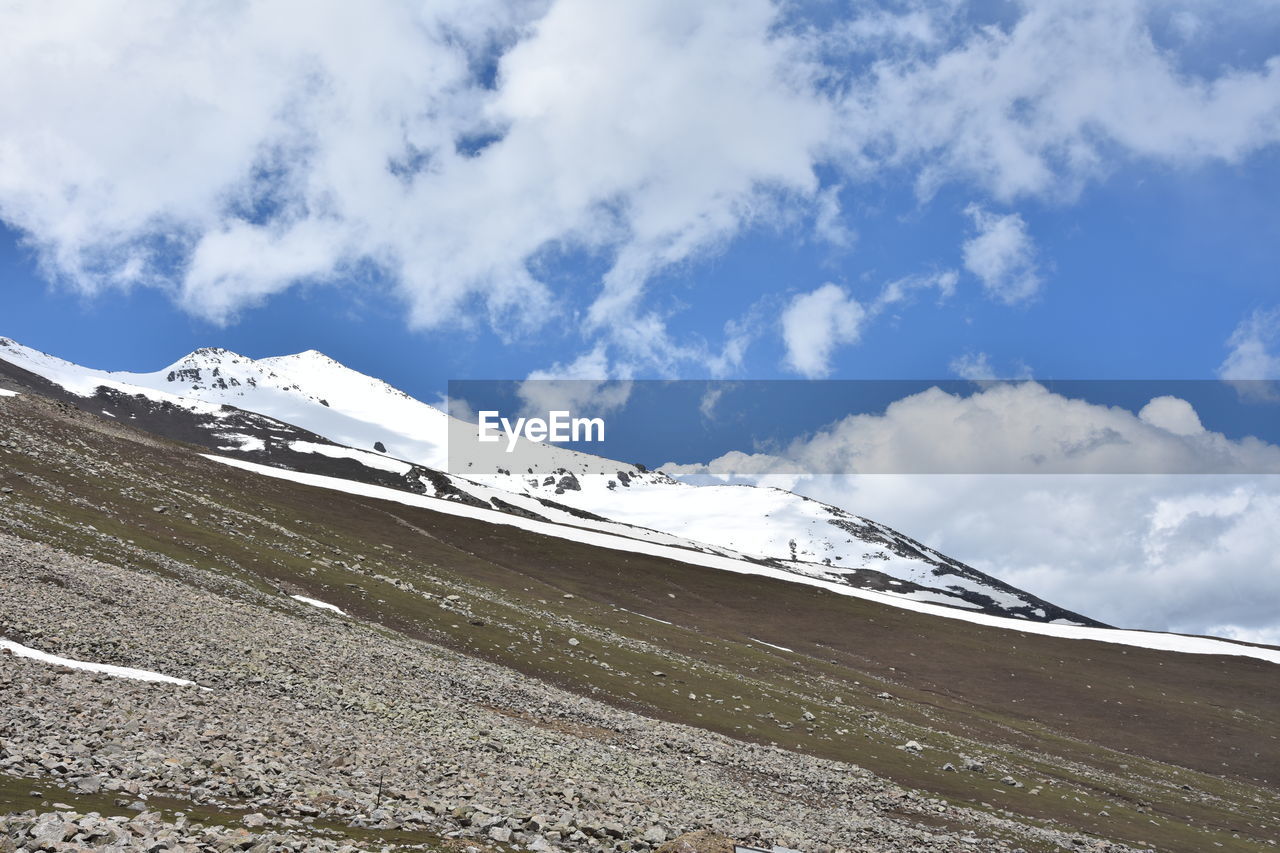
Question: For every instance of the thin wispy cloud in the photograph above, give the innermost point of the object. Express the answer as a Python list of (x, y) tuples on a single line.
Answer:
[(1254, 347)]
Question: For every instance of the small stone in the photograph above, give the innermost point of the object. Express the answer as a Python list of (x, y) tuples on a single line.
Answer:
[(573, 641), (500, 834)]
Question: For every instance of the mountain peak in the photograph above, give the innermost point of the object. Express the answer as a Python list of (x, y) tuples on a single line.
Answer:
[(209, 355), (310, 356)]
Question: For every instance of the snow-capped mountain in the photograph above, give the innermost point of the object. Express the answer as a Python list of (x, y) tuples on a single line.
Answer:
[(308, 412)]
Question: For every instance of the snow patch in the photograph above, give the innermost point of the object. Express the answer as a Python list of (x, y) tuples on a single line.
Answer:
[(323, 605), (242, 441), (4, 392), (646, 616), (942, 598), (19, 650), (771, 645), (364, 457)]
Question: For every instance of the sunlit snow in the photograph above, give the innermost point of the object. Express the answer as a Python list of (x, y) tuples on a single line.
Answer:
[(323, 605), (1141, 639), (22, 651)]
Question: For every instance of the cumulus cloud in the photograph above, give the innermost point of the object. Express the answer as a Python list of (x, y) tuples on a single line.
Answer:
[(1013, 428), (1002, 255), (815, 323), (1172, 415), (227, 152), (1188, 553), (235, 150), (1192, 551)]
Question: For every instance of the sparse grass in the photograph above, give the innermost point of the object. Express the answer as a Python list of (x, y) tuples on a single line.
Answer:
[(16, 796), (1099, 728)]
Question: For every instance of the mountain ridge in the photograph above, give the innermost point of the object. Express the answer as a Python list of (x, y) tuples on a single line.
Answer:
[(342, 416), (195, 572)]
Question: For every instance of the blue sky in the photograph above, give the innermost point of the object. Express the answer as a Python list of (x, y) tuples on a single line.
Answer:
[(1132, 188), (1146, 276)]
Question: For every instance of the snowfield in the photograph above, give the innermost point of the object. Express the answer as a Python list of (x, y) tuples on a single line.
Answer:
[(1140, 639)]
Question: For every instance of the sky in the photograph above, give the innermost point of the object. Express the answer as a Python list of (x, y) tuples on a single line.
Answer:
[(1059, 189)]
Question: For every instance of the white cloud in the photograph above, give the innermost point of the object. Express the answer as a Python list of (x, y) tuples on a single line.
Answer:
[(1043, 105), (711, 399), (901, 289), (973, 365), (815, 323), (829, 224), (1184, 553), (1019, 428), (977, 367), (1253, 365), (1192, 552), (237, 149), (1002, 256), (1254, 345), (1173, 415), (582, 386), (226, 152)]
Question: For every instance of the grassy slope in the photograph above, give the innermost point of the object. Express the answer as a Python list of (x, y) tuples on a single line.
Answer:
[(1095, 728)]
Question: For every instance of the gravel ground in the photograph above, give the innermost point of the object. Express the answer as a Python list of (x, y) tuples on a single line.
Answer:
[(305, 723)]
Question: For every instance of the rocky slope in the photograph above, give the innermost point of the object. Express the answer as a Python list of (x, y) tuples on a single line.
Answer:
[(308, 719), (484, 679)]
